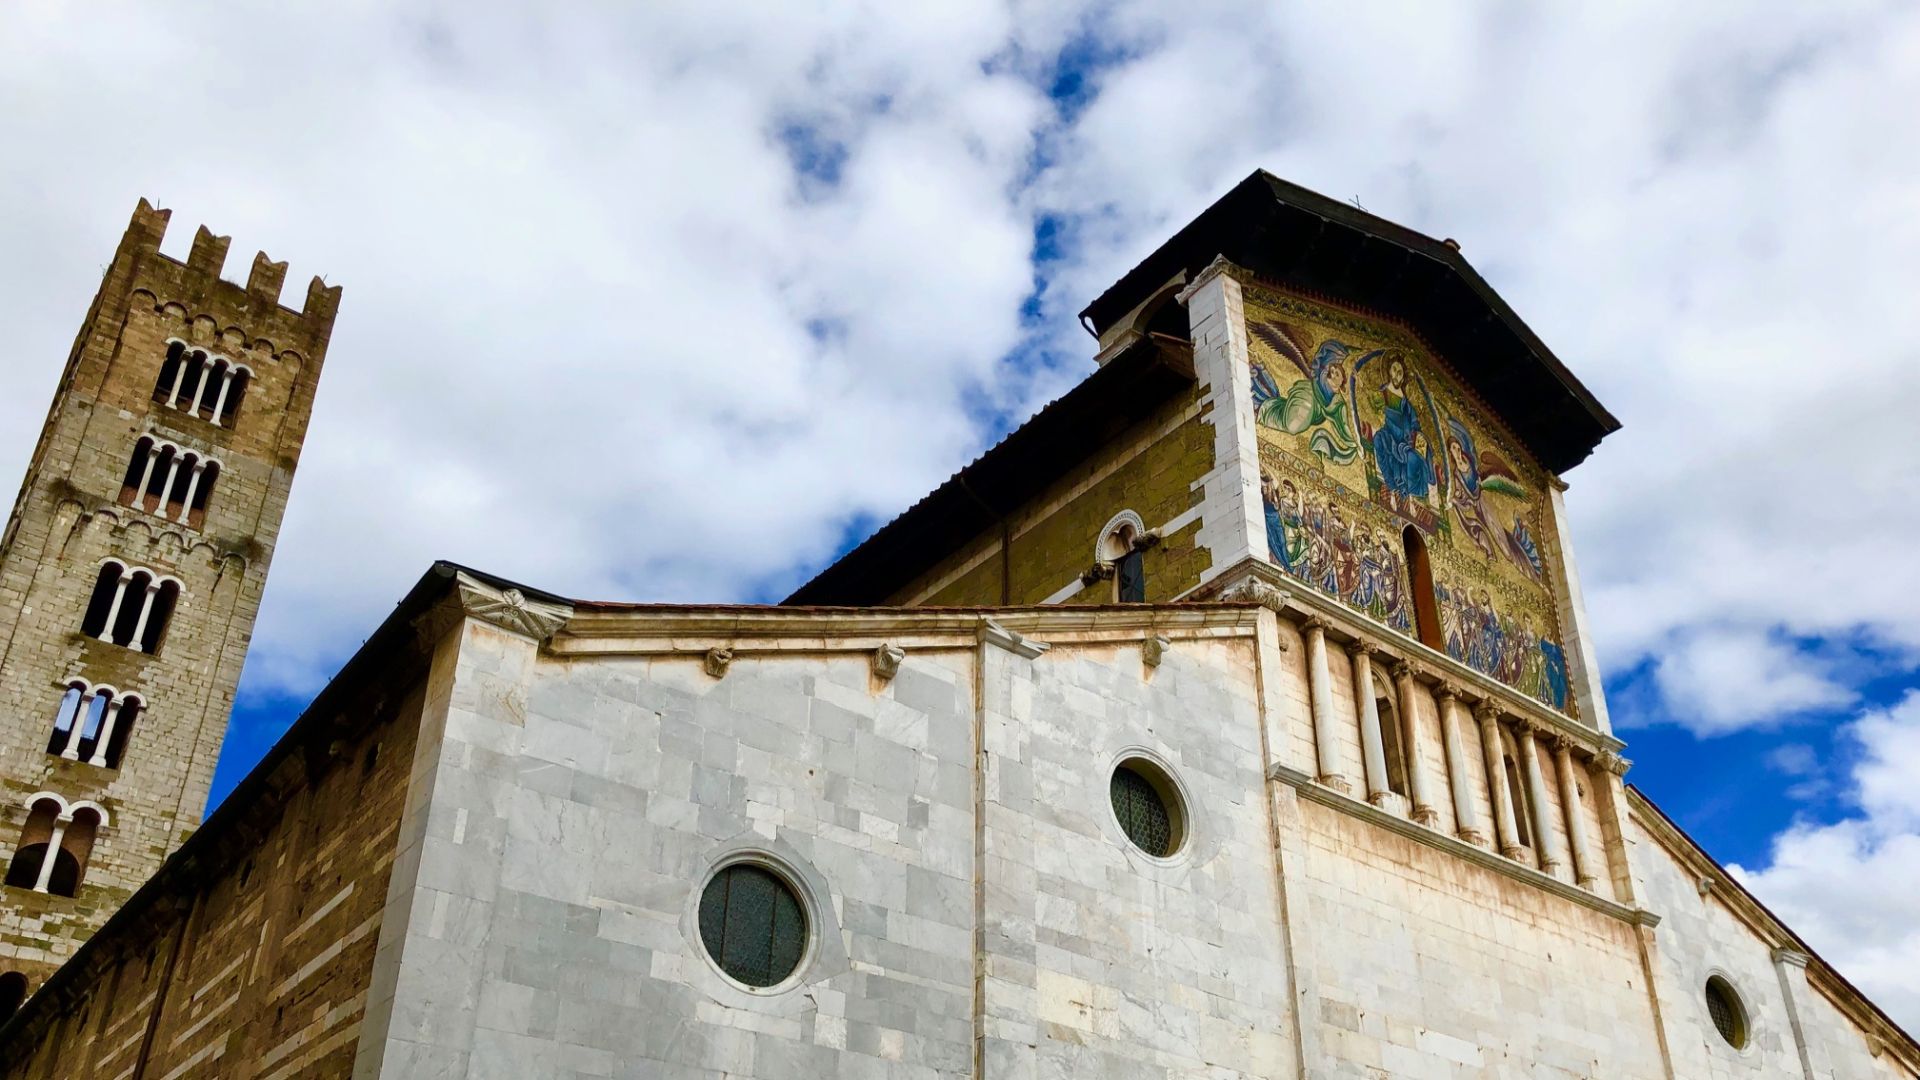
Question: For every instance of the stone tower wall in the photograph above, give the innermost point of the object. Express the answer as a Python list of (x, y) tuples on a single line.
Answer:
[(70, 518)]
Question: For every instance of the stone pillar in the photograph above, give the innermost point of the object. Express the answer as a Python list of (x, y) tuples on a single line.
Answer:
[(1326, 743), (146, 609), (106, 732), (1545, 844), (53, 850), (1417, 786), (1506, 831), (200, 387), (113, 609), (1585, 872), (1791, 967), (146, 476), (1466, 815), (1372, 746), (166, 489), (179, 378), (1614, 823)]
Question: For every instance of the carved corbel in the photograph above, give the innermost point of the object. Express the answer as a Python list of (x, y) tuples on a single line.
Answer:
[(1612, 762), (717, 661), (1154, 649), (1099, 571), (1148, 539), (509, 609), (1020, 645), (1264, 593), (887, 660)]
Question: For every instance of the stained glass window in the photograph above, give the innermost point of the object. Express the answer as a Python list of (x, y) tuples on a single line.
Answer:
[(752, 924), (1726, 1012), (1143, 813)]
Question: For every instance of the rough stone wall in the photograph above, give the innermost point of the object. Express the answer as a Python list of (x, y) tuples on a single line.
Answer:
[(68, 520), (1150, 470), (261, 970)]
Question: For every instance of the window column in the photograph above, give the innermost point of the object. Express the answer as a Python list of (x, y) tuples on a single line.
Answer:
[(146, 609), (193, 485), (1505, 830), (113, 609), (72, 750), (179, 379), (105, 738), (1320, 699), (146, 475), (1545, 842), (166, 490), (1585, 871), (1372, 747), (1466, 815), (220, 401), (1423, 811), (53, 852)]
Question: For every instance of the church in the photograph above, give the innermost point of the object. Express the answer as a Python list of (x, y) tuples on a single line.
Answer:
[(1235, 717)]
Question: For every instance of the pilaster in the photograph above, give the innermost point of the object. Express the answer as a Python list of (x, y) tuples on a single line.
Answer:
[(1231, 526)]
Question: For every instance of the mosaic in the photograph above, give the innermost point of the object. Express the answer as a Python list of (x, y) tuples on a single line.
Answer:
[(1362, 435)]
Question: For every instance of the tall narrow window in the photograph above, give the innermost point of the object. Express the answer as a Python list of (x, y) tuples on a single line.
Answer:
[(130, 606), (1122, 546), (1390, 740), (1517, 798), (54, 846), (1426, 612)]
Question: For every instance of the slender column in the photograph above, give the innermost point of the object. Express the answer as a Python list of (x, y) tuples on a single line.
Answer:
[(146, 475), (85, 705), (193, 485), (106, 732), (1423, 811), (166, 490), (179, 378), (200, 387), (146, 609), (1466, 815), (220, 402), (1505, 830), (1544, 841), (1372, 746), (1326, 744), (113, 609), (53, 849), (1585, 872)]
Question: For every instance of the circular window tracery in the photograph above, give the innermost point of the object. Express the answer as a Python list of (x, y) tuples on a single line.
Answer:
[(1147, 805), (1729, 1016), (753, 924)]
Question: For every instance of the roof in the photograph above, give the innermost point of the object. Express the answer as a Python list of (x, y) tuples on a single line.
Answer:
[(1300, 239), (1037, 453)]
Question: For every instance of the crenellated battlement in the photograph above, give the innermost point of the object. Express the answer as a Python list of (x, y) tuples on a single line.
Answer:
[(206, 259)]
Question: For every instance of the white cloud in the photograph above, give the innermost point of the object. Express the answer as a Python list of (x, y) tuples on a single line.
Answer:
[(1716, 681), (1852, 888)]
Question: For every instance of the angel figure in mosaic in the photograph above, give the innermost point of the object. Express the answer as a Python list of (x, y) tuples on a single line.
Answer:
[(1474, 473), (1316, 404)]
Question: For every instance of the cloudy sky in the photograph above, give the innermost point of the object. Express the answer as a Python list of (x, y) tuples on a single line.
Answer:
[(676, 304)]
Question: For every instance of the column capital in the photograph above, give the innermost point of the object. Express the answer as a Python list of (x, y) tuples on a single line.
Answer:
[(1404, 668), (1446, 691), (1486, 711), (1526, 728), (1612, 762), (1358, 648), (1791, 957), (1562, 743), (1313, 622)]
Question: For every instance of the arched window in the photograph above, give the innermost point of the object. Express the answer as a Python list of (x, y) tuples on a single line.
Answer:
[(206, 386), (1122, 546), (54, 846), (1426, 612), (131, 606), (169, 481), (93, 724), (13, 993), (1391, 742)]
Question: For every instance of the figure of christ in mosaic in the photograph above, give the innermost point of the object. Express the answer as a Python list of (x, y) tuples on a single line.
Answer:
[(1363, 434)]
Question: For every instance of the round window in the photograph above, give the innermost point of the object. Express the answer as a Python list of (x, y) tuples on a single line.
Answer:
[(1147, 805), (1729, 1018), (753, 924)]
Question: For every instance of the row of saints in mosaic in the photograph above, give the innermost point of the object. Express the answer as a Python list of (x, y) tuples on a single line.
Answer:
[(1363, 437)]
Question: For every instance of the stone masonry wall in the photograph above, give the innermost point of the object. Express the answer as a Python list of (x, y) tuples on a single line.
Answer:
[(68, 521)]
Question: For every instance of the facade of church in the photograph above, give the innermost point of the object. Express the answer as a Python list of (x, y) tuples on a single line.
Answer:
[(1234, 717)]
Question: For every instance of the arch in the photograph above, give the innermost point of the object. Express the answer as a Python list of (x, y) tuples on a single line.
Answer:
[(13, 993), (1426, 610)]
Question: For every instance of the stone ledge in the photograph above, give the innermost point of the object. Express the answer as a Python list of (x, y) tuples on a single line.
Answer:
[(1328, 797)]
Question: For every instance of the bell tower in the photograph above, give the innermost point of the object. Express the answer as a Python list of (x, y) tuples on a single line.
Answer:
[(131, 571)]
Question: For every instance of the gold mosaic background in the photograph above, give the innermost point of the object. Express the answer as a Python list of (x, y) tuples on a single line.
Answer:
[(1362, 434)]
